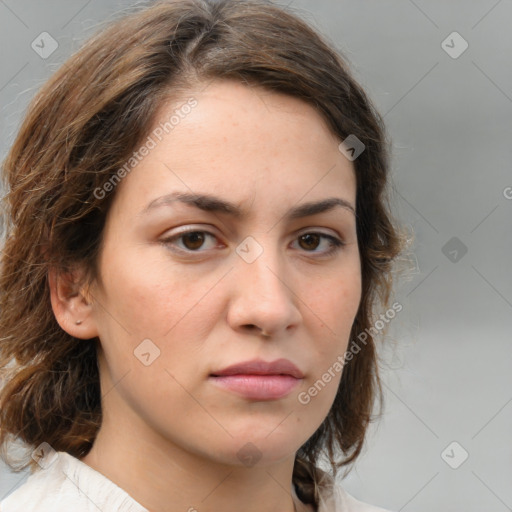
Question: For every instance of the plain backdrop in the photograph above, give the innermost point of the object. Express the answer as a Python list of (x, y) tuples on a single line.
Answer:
[(440, 72)]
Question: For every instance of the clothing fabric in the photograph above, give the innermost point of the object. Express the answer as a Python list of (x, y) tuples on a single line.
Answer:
[(66, 483)]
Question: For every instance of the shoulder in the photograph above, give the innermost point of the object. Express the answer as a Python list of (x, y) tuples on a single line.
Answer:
[(68, 484), (354, 505), (334, 498)]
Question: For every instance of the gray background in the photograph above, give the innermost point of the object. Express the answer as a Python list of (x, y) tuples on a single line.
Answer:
[(446, 365)]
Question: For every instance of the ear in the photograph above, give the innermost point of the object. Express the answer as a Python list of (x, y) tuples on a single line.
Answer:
[(72, 303)]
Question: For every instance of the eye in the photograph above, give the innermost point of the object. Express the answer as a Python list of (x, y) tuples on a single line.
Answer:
[(191, 240), (312, 240)]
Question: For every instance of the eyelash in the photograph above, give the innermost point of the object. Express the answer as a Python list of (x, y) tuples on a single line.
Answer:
[(336, 243)]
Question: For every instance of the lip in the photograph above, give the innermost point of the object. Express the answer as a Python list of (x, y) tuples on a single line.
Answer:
[(260, 367), (258, 379)]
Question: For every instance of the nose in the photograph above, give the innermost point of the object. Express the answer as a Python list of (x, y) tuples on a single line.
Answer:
[(263, 296)]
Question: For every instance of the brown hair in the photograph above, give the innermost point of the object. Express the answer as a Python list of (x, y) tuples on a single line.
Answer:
[(83, 126)]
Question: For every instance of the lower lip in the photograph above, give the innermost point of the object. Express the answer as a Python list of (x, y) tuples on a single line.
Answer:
[(258, 387)]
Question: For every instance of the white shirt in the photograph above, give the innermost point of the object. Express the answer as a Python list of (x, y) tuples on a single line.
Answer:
[(68, 484)]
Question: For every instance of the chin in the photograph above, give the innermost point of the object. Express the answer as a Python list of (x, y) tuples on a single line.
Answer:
[(262, 448)]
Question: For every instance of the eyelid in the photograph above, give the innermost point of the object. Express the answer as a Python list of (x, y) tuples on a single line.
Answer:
[(336, 240), (332, 232), (190, 228)]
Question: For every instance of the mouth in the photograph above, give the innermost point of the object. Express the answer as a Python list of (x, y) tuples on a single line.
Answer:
[(257, 387), (259, 380)]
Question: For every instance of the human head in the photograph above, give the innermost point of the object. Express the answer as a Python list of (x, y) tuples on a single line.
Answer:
[(82, 128)]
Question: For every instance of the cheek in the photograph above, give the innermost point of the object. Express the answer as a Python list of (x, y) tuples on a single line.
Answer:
[(336, 304), (154, 299), (346, 303), (147, 295)]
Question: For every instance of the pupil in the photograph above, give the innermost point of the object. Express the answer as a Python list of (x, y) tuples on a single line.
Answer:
[(196, 238), (310, 238)]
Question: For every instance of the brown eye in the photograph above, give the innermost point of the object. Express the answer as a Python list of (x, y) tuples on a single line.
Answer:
[(309, 241), (193, 240), (312, 241)]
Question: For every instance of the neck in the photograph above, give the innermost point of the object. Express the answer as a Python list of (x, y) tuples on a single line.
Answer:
[(162, 476)]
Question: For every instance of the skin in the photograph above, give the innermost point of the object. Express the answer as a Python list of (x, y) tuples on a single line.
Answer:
[(169, 436)]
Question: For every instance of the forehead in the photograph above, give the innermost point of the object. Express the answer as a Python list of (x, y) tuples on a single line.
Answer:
[(238, 141)]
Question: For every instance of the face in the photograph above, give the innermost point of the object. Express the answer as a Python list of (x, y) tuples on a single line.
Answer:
[(188, 283)]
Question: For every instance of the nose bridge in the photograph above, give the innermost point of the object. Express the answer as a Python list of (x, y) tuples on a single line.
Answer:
[(264, 298), (261, 264)]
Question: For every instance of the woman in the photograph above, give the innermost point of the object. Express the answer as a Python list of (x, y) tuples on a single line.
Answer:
[(197, 237)]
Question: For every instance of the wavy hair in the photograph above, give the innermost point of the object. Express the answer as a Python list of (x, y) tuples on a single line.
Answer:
[(84, 124)]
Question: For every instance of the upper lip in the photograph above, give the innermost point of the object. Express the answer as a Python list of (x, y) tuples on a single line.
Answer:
[(260, 367)]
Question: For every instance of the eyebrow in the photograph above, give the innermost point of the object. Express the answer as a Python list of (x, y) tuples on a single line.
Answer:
[(211, 203)]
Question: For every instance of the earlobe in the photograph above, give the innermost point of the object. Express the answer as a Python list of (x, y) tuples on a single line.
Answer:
[(72, 304)]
